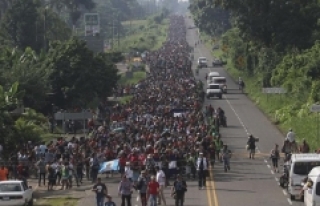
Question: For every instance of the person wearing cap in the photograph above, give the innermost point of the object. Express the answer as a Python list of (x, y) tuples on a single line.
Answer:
[(153, 191), (161, 179), (178, 190), (202, 168), (142, 187)]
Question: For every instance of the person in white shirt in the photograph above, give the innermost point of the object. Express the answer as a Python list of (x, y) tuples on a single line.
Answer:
[(161, 179), (291, 136), (43, 148), (128, 172), (202, 168)]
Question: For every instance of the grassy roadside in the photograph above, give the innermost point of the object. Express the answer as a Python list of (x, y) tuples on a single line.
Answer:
[(57, 202), (143, 35), (136, 77), (283, 110)]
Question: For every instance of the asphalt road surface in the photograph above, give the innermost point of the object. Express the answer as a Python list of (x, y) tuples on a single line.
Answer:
[(249, 182)]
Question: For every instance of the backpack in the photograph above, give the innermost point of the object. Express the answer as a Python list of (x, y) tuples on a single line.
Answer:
[(65, 171)]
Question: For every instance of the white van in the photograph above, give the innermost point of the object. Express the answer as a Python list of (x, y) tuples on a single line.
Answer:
[(312, 194), (301, 165), (211, 75)]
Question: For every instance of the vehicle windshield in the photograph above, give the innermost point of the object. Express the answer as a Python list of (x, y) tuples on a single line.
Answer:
[(10, 187), (220, 81), (214, 86), (303, 168), (202, 59)]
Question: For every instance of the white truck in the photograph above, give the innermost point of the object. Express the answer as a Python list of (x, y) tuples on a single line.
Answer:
[(214, 90), (15, 193)]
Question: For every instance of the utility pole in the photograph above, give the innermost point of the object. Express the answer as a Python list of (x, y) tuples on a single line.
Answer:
[(45, 29), (118, 28), (112, 31)]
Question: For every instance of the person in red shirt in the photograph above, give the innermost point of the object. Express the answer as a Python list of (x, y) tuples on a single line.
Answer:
[(152, 191), (122, 164)]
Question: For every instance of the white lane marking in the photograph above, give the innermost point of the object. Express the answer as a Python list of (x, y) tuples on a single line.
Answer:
[(289, 201), (266, 161), (238, 117), (285, 192), (269, 166), (272, 172), (277, 180)]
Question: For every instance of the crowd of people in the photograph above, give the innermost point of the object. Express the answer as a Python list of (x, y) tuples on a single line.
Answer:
[(159, 135)]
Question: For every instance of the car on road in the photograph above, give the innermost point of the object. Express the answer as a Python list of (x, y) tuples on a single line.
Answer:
[(214, 90), (301, 165), (15, 193), (202, 62), (217, 62)]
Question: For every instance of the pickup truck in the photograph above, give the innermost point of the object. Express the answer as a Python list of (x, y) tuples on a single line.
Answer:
[(214, 90), (202, 62)]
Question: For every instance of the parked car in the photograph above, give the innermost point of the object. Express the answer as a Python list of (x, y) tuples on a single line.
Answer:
[(217, 62), (15, 193)]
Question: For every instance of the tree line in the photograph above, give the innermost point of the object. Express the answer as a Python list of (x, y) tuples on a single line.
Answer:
[(272, 44), (43, 66)]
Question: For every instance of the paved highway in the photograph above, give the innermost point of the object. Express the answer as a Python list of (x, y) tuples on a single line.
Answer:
[(250, 182)]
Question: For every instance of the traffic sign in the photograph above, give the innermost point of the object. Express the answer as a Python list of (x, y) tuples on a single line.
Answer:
[(315, 108), (73, 116), (274, 90)]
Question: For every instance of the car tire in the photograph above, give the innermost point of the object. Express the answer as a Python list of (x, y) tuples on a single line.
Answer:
[(220, 97)]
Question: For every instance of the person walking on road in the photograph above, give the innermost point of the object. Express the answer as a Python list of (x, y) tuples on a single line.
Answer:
[(225, 156), (202, 168), (125, 190), (153, 191), (275, 155), (178, 191), (142, 187), (161, 179), (41, 166), (101, 191), (251, 146)]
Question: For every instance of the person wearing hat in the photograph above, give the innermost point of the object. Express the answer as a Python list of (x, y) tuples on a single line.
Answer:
[(202, 168)]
